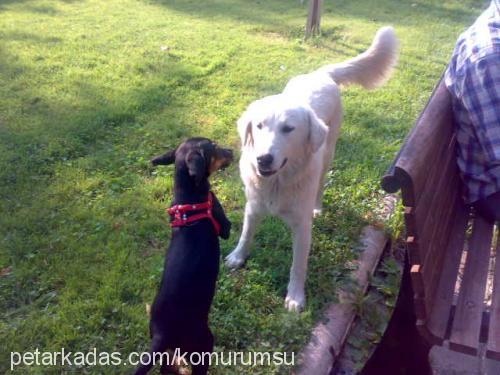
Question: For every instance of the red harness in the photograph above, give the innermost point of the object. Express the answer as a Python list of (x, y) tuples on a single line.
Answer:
[(180, 218)]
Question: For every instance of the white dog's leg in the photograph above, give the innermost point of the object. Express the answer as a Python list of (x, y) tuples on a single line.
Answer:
[(238, 256), (327, 159), (329, 152), (295, 298)]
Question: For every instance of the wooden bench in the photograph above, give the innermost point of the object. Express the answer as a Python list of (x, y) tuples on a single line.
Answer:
[(451, 251)]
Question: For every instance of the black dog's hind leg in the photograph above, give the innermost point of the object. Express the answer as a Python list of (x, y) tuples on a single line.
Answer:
[(205, 344), (170, 367), (158, 345)]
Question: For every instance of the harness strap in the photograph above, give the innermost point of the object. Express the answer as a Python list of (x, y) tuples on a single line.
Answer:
[(180, 218)]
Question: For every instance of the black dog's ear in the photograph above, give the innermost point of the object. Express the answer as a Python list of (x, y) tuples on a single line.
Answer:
[(165, 159), (196, 166)]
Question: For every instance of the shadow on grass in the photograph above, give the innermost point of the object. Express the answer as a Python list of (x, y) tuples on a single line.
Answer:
[(71, 129), (40, 134), (24, 36), (32, 6), (4, 3), (243, 11), (409, 12), (274, 14), (42, 9)]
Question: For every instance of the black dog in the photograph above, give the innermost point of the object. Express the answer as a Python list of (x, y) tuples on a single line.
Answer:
[(179, 314)]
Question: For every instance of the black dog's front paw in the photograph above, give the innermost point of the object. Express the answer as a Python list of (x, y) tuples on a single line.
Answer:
[(225, 230)]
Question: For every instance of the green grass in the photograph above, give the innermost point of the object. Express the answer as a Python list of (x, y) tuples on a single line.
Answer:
[(91, 90)]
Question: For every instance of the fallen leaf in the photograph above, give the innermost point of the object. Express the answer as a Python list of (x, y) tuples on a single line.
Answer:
[(5, 271)]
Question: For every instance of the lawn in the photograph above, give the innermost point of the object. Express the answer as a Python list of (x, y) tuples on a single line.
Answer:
[(91, 90)]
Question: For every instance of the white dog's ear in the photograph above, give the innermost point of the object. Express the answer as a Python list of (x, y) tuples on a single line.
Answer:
[(317, 131), (245, 129)]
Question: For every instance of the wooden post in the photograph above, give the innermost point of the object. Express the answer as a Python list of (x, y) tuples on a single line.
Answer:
[(314, 18)]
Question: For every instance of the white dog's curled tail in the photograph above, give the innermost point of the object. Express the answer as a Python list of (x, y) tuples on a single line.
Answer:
[(373, 67)]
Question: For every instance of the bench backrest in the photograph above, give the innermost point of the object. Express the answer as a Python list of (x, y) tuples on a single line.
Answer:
[(426, 172)]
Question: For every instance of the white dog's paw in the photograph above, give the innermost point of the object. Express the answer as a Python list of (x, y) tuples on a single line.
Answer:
[(317, 212), (235, 259), (295, 301)]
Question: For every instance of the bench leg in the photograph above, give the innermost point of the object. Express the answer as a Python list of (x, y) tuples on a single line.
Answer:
[(402, 350)]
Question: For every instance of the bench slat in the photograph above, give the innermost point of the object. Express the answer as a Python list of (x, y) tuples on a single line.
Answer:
[(423, 223), (410, 223), (439, 194), (443, 299), (444, 167), (437, 252), (468, 316), (493, 346), (413, 251)]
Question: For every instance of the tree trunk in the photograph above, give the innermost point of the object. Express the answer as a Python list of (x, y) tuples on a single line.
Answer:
[(314, 17)]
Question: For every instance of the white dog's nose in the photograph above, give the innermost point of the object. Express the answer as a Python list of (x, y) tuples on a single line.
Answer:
[(265, 161)]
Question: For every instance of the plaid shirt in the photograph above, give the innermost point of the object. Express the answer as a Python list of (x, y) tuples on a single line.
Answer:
[(473, 79)]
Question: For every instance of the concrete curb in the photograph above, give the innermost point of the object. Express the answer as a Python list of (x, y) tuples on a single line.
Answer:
[(328, 336)]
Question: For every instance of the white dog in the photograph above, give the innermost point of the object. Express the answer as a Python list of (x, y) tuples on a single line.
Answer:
[(288, 141)]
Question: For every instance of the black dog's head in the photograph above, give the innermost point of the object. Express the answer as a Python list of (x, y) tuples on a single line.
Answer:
[(200, 157), (195, 160)]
